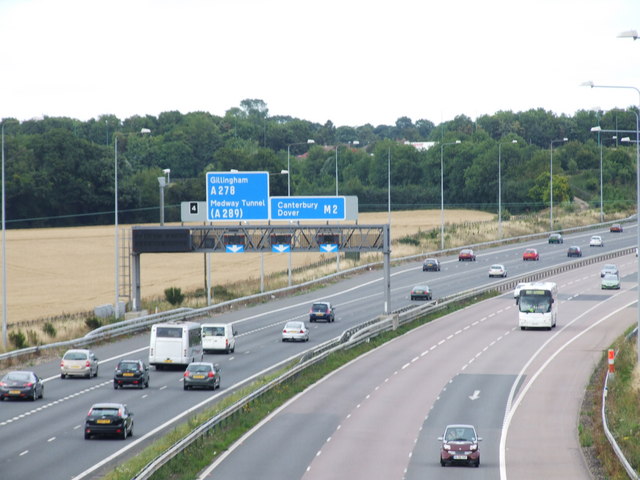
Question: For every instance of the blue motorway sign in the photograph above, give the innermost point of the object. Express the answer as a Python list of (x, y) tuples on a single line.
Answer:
[(237, 196), (280, 248), (307, 208)]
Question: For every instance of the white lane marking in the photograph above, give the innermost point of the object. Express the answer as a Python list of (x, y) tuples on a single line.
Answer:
[(55, 402), (24, 453), (51, 439)]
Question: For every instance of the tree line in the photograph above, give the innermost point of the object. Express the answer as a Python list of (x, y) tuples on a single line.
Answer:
[(60, 171)]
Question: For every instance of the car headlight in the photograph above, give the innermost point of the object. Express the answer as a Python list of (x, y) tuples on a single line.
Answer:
[(446, 446), (474, 447)]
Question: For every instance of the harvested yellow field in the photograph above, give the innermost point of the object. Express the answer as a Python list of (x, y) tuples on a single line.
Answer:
[(56, 271)]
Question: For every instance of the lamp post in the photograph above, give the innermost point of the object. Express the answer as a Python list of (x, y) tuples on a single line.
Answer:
[(442, 145), (599, 129), (309, 141), (4, 253), (500, 187), (163, 182), (591, 84), (116, 310), (551, 182), (351, 142)]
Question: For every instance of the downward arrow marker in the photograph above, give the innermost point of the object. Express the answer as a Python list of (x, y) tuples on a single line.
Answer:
[(475, 396)]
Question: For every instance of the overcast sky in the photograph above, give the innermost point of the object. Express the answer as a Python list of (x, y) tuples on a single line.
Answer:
[(349, 61)]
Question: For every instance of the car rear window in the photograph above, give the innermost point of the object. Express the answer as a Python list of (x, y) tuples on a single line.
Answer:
[(213, 331), (103, 411), (18, 377), (319, 307), (199, 368), (75, 356)]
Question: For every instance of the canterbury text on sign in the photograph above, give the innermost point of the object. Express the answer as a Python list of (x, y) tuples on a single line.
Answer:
[(307, 208)]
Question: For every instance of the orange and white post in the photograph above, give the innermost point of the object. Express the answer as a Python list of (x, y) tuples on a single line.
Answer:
[(612, 357)]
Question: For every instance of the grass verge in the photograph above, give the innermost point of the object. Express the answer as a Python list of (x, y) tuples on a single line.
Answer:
[(199, 455), (623, 414)]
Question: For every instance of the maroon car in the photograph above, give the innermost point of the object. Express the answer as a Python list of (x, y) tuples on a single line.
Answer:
[(466, 255), (460, 445)]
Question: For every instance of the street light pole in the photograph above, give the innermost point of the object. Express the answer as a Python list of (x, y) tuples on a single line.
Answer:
[(599, 130), (309, 141), (442, 145), (4, 255), (591, 84), (115, 213), (500, 187), (551, 182)]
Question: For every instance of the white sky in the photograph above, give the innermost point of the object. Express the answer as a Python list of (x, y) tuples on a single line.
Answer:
[(349, 61)]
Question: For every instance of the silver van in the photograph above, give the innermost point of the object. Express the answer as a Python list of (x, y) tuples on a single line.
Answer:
[(218, 337)]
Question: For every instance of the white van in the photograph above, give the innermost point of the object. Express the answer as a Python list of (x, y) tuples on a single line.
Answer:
[(175, 344), (219, 337)]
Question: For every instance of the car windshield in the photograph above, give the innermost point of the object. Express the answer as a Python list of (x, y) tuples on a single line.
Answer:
[(17, 377), (213, 331), (199, 368), (103, 411), (75, 356), (534, 304), (128, 366), (460, 434)]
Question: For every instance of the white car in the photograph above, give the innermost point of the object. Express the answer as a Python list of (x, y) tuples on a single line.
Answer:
[(497, 270), (596, 241), (79, 363), (295, 331)]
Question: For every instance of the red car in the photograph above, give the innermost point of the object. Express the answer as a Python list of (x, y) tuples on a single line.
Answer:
[(466, 255), (530, 254), (460, 445), (616, 227)]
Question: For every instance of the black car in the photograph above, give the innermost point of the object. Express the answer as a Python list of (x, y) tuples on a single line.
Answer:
[(431, 264), (21, 384), (109, 419), (322, 311), (131, 372), (574, 252), (556, 238)]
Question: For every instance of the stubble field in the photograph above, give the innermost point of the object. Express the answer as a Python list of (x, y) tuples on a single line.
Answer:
[(57, 271)]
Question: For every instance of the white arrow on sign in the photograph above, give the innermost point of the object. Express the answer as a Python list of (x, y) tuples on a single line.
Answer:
[(328, 247), (235, 248), (281, 248), (475, 396)]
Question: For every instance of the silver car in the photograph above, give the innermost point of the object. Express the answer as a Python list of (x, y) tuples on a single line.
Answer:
[(609, 268), (202, 374), (79, 363), (295, 331)]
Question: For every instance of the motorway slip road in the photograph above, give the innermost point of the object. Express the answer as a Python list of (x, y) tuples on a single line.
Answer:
[(379, 416)]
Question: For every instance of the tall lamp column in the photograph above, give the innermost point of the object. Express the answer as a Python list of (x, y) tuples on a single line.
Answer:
[(500, 187), (442, 145), (551, 182)]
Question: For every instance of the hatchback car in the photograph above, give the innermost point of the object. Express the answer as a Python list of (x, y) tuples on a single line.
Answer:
[(574, 251), (21, 384), (431, 265), (497, 270), (460, 445), (531, 254), (421, 292), (295, 331), (109, 419), (79, 363), (556, 238), (596, 241), (201, 374), (610, 281), (466, 255), (322, 311), (131, 372), (616, 228), (609, 268)]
